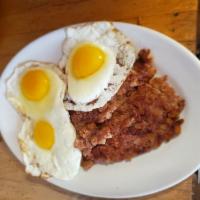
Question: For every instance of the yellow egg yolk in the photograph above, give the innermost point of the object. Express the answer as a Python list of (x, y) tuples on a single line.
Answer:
[(86, 60), (35, 84), (43, 135)]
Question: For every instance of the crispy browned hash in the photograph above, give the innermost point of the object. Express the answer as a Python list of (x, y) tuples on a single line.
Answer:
[(143, 114)]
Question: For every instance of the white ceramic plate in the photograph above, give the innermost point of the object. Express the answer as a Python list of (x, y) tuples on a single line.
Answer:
[(146, 174)]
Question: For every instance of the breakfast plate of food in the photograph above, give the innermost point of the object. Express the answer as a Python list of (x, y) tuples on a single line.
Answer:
[(105, 109)]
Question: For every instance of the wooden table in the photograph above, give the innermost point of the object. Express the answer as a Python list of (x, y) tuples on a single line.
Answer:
[(21, 21)]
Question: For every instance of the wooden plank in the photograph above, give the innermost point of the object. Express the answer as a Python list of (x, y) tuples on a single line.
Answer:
[(195, 188), (177, 25), (61, 13), (131, 8), (198, 27), (191, 45), (127, 7)]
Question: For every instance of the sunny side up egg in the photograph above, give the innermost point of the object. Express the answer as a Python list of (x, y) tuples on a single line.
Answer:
[(85, 84), (47, 136), (32, 88), (97, 59)]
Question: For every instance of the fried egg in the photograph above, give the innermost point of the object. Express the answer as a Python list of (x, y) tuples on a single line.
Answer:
[(47, 145), (96, 59), (35, 88), (46, 139)]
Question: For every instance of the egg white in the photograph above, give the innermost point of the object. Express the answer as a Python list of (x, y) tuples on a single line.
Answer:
[(105, 35), (62, 161)]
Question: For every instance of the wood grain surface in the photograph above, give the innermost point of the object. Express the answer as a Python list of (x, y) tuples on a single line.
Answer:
[(21, 21)]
